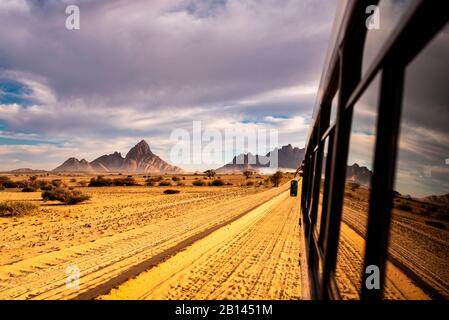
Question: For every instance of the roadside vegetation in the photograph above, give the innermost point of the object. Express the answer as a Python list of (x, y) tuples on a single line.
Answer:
[(276, 178), (101, 181), (15, 208), (65, 196)]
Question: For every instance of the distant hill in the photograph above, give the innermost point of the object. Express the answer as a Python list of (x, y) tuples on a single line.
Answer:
[(139, 159), (358, 174), (108, 162), (27, 171), (440, 200), (74, 165), (288, 158)]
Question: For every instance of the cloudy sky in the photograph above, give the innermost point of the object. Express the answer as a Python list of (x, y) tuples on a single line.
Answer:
[(141, 69)]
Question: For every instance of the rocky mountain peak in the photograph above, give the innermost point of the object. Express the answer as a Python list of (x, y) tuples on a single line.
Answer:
[(139, 151), (138, 159)]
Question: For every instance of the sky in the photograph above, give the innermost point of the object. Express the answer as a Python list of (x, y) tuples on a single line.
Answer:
[(141, 69), (422, 166)]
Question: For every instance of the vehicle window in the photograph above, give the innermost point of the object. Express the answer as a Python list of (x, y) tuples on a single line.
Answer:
[(323, 176), (334, 107), (390, 13), (351, 245), (418, 256)]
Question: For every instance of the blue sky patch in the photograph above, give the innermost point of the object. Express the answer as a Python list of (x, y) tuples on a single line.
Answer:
[(30, 142), (14, 92)]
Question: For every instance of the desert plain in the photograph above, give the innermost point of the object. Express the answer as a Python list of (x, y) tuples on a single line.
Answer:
[(239, 240)]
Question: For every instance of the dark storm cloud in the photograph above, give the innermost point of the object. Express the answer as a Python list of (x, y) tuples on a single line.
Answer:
[(146, 67), (160, 56)]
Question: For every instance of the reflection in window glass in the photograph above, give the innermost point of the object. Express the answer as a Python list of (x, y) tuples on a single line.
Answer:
[(351, 243), (390, 14), (334, 108), (419, 232), (312, 187), (323, 175)]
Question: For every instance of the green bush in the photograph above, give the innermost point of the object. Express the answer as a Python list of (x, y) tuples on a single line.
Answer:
[(171, 191), (15, 208), (198, 183), (164, 183), (175, 179), (65, 196)]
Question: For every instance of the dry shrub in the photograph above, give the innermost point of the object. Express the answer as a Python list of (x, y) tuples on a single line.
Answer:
[(150, 182), (198, 183), (15, 208), (276, 178), (65, 196), (164, 183), (217, 183), (83, 183), (404, 206), (121, 182), (56, 183), (29, 189), (171, 191), (100, 181)]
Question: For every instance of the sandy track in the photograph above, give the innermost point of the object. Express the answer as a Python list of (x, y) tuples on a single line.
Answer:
[(254, 257), (350, 268), (417, 266), (44, 276)]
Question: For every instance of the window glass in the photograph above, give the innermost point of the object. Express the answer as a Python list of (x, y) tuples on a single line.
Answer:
[(351, 245), (389, 14), (418, 256), (334, 107), (323, 176), (312, 183)]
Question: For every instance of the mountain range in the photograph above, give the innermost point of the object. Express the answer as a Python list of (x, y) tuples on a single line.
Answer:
[(288, 158), (358, 174), (139, 159)]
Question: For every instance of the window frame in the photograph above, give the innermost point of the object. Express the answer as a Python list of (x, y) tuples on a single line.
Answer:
[(418, 25)]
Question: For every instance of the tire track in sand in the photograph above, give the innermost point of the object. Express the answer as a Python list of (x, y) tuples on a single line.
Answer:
[(254, 257), (119, 257)]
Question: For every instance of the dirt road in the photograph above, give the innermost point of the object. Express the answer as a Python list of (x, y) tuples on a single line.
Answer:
[(417, 262), (254, 257), (102, 260)]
